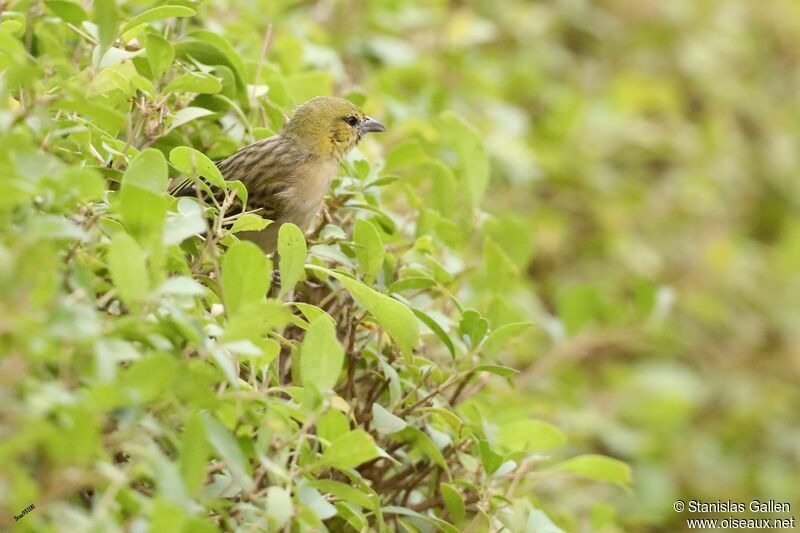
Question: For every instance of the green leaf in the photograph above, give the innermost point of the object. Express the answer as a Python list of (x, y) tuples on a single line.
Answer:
[(369, 248), (350, 450), (312, 499), (332, 425), (312, 312), (598, 468), (186, 115), (453, 502), (527, 435), (105, 16), (354, 517), (474, 327), (253, 319), (212, 49), (147, 379), (182, 286), (385, 422), (194, 453), (395, 317), (160, 54), (437, 329), (403, 511), (228, 449), (474, 167), (71, 12), (56, 227), (498, 370), (245, 276), (128, 269), (541, 523), (293, 251), (249, 222), (157, 13), (147, 170), (384, 220), (347, 493), (188, 221), (143, 198), (193, 163), (194, 82), (279, 506), (102, 116), (424, 444), (498, 338), (491, 460), (413, 283), (321, 356), (166, 516)]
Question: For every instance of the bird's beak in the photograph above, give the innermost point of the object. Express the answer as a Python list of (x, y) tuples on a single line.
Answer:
[(370, 125)]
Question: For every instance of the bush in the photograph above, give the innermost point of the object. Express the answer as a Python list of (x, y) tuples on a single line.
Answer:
[(155, 376)]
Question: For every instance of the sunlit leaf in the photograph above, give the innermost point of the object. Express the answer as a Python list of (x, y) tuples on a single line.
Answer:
[(105, 16), (474, 327), (498, 370), (424, 443), (194, 82), (194, 453), (249, 222), (157, 13), (453, 501), (279, 505), (385, 422), (186, 115), (160, 54), (71, 12), (398, 320), (128, 269), (364, 498), (350, 450), (245, 275), (186, 222), (499, 337), (321, 355), (369, 248), (437, 330), (292, 250), (194, 163)]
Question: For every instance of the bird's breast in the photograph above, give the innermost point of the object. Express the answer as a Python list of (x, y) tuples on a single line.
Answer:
[(309, 192)]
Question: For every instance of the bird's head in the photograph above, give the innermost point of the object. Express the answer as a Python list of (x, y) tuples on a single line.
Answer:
[(329, 126)]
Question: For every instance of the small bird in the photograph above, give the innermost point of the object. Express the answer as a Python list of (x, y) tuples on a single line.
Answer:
[(288, 174)]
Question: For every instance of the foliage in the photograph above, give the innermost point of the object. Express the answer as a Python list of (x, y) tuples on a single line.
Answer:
[(155, 377), (576, 249)]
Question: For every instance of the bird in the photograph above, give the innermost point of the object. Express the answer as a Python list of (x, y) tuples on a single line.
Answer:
[(288, 174)]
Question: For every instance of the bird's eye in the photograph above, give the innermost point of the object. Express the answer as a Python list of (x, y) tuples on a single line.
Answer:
[(352, 120)]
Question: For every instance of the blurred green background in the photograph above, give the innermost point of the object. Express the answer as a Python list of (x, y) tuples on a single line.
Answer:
[(645, 175), (644, 204)]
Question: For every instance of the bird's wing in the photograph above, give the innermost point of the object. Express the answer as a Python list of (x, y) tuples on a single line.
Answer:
[(265, 168)]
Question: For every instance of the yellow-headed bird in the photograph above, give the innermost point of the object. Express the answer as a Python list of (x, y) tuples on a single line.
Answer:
[(288, 174)]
